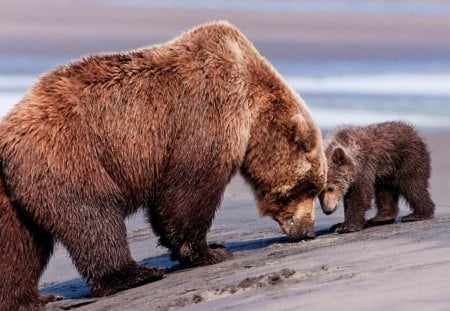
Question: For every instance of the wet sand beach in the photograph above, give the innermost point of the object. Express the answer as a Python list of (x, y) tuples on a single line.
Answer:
[(404, 265)]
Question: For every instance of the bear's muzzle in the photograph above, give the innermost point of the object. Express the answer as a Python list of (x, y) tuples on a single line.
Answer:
[(299, 229)]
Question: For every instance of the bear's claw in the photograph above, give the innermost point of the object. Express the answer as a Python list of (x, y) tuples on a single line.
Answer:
[(218, 253), (416, 217), (214, 253), (344, 228), (50, 298)]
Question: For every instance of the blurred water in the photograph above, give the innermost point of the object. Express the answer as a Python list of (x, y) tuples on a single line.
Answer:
[(337, 92), (352, 6)]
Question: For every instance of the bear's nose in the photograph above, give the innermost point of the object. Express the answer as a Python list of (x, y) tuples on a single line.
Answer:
[(299, 230)]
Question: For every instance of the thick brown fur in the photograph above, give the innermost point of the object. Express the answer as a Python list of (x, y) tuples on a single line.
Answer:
[(162, 128), (386, 161)]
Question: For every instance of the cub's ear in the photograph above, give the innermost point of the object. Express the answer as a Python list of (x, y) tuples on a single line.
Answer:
[(303, 133), (340, 157)]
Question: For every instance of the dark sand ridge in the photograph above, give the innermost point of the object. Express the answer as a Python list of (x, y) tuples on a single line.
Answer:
[(395, 266)]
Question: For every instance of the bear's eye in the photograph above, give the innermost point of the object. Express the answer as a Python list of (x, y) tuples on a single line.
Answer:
[(289, 220), (330, 189)]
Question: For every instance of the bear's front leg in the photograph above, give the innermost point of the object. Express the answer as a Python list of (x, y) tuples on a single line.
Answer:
[(182, 216), (195, 251)]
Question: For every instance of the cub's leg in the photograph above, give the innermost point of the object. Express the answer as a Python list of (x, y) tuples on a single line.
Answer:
[(417, 195), (386, 200), (357, 202), (413, 184)]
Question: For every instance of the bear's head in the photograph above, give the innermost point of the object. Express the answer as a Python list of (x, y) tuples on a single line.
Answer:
[(285, 164), (281, 153), (341, 172)]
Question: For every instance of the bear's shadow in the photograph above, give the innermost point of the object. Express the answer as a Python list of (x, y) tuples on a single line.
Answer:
[(77, 288)]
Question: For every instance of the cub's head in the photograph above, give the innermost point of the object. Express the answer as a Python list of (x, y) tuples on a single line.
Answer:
[(286, 166), (341, 172)]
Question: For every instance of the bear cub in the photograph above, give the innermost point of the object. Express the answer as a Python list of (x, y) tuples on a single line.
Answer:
[(386, 161)]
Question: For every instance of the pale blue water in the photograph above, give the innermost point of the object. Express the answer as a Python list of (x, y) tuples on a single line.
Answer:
[(337, 92), (352, 6), (340, 91)]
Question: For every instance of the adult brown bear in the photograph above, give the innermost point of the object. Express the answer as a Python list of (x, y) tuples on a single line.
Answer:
[(162, 128)]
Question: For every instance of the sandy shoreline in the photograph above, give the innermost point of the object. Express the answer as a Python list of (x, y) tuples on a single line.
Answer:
[(419, 251), (398, 267)]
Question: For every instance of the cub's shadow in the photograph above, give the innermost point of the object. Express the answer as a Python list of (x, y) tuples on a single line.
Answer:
[(77, 288)]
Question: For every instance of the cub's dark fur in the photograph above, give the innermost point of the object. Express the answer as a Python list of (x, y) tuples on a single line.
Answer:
[(385, 161)]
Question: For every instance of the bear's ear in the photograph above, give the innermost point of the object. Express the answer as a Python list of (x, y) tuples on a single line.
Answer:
[(303, 133), (339, 157)]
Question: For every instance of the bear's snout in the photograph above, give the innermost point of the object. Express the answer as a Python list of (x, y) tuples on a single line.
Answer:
[(329, 203), (299, 230), (328, 210)]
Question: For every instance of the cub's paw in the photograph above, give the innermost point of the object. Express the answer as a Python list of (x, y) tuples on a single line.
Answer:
[(345, 228), (416, 217)]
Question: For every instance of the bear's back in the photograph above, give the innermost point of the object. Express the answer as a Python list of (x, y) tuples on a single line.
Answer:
[(382, 149), (127, 116)]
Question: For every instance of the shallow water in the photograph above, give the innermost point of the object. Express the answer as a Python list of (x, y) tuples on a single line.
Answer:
[(337, 92), (352, 6)]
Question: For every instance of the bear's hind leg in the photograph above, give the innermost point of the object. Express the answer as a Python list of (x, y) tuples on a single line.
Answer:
[(182, 217), (386, 200), (418, 198), (24, 253), (96, 239)]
